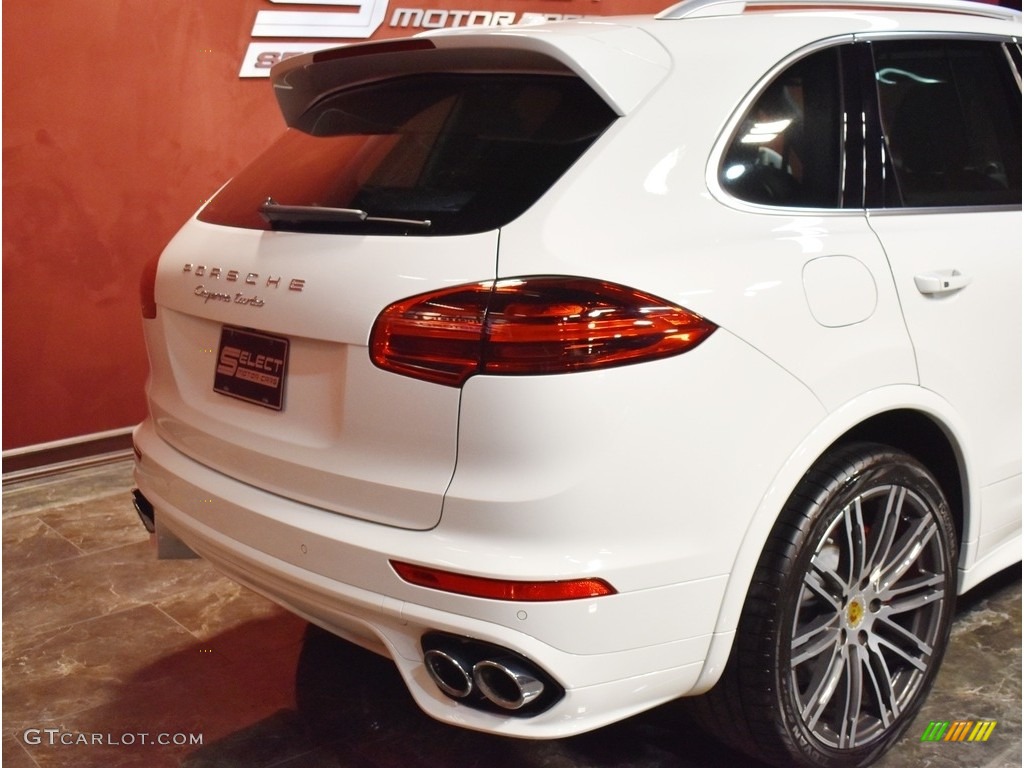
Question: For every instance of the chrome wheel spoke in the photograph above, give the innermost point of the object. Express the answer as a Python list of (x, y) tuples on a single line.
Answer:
[(913, 595), (910, 640), (856, 540), (881, 684), (824, 686), (854, 694), (819, 636), (825, 583), (886, 536), (910, 549)]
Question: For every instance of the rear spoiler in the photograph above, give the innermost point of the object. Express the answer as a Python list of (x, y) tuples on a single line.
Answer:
[(621, 63)]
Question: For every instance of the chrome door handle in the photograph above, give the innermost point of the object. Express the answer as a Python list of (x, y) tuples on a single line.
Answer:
[(941, 281)]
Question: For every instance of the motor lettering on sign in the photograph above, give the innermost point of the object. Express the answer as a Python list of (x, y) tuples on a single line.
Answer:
[(438, 18)]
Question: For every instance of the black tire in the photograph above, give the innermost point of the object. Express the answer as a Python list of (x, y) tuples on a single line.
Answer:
[(847, 616)]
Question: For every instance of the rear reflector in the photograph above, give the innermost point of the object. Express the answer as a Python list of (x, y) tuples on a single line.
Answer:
[(500, 589), (529, 326)]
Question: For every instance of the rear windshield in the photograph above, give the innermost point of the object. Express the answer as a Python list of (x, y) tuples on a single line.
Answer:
[(432, 154)]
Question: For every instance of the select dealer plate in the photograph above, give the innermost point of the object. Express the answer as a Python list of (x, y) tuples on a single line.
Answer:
[(252, 366)]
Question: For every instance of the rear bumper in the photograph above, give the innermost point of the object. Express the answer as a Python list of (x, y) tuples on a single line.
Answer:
[(646, 481), (334, 572)]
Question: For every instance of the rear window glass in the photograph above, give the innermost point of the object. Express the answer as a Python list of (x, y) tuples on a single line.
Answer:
[(464, 152)]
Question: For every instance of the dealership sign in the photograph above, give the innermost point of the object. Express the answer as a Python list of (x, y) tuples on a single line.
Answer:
[(280, 34)]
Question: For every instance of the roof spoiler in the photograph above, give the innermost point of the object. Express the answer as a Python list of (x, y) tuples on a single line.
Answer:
[(621, 63)]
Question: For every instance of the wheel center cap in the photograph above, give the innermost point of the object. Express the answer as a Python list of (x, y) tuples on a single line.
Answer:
[(854, 613)]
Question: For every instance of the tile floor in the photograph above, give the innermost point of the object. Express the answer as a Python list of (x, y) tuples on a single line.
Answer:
[(112, 658)]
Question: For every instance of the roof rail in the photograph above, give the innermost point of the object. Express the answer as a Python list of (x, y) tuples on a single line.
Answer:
[(689, 9)]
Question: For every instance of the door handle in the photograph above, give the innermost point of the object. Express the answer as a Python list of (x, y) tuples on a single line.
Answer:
[(941, 282)]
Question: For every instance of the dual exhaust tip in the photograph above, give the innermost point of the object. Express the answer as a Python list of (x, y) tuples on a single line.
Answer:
[(479, 673), (501, 682)]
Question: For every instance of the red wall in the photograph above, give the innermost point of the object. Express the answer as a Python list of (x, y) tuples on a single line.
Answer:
[(119, 118)]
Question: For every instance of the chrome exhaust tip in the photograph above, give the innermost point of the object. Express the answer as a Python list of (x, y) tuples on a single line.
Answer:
[(449, 673), (488, 677), (506, 683)]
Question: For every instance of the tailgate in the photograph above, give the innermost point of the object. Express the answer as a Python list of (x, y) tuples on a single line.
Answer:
[(347, 437)]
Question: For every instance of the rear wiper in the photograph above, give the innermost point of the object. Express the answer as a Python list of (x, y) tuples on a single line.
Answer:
[(275, 213)]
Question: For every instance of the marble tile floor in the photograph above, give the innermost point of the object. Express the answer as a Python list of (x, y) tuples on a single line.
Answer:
[(113, 658)]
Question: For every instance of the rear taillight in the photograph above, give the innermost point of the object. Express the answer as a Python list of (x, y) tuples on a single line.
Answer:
[(529, 326), (147, 289)]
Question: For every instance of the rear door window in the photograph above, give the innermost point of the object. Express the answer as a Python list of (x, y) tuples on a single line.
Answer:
[(951, 113), (430, 154)]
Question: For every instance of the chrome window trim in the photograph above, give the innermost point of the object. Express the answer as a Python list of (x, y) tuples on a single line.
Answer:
[(1014, 63), (945, 210), (869, 37)]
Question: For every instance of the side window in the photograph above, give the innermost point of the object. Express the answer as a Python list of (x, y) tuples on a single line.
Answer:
[(787, 151), (951, 114)]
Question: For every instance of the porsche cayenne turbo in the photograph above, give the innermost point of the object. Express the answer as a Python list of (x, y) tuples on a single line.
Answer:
[(584, 366)]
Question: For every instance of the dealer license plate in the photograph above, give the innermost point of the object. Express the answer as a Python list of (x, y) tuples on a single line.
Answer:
[(252, 366)]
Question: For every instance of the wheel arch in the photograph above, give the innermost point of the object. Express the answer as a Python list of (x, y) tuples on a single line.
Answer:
[(920, 435), (909, 418)]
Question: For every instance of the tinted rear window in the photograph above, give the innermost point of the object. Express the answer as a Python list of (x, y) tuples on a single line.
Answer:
[(466, 152)]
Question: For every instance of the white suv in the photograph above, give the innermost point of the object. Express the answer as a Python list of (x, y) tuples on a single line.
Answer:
[(584, 366)]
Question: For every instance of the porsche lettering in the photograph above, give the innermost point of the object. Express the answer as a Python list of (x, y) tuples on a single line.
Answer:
[(248, 278)]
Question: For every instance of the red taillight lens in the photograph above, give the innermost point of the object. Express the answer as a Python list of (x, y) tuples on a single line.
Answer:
[(147, 289), (501, 589), (531, 325)]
